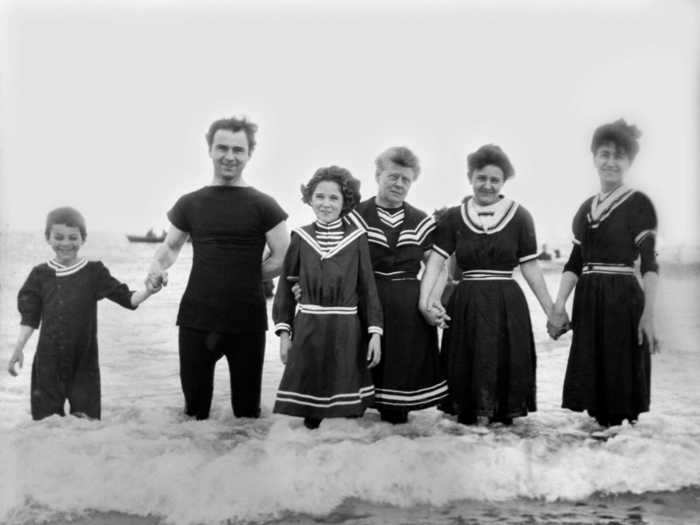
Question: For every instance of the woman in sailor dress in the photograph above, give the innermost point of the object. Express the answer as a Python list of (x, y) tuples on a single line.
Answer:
[(331, 338), (490, 352), (409, 375), (609, 368)]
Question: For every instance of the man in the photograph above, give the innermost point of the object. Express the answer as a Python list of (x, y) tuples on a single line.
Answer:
[(222, 312)]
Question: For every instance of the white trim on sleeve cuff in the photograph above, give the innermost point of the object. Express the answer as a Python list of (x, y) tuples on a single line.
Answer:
[(375, 330)]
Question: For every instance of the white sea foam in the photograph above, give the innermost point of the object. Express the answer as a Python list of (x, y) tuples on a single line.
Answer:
[(145, 458)]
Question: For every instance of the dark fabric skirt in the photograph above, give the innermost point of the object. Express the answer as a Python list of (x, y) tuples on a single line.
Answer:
[(326, 373), (608, 373), (489, 351), (409, 376)]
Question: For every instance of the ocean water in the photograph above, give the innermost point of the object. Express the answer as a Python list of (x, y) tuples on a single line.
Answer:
[(144, 462)]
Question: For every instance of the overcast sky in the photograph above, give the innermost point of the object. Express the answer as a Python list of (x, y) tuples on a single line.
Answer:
[(105, 107)]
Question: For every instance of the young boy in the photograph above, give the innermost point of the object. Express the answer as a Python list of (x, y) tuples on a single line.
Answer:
[(62, 296)]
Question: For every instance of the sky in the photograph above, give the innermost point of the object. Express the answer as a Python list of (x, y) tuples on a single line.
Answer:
[(104, 105)]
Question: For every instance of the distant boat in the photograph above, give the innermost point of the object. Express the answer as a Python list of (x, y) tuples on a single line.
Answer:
[(150, 236)]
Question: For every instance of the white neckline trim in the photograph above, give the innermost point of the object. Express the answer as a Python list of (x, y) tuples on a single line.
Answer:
[(62, 271), (503, 212)]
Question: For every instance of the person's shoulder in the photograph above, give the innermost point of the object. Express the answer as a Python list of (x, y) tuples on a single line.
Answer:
[(364, 206), (414, 213), (640, 198), (261, 198), (585, 206), (522, 213), (193, 196), (40, 269)]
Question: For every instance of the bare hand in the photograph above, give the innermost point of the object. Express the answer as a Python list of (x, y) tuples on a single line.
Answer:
[(646, 329), (156, 280), (285, 345), (558, 322), (296, 290), (16, 358), (374, 351)]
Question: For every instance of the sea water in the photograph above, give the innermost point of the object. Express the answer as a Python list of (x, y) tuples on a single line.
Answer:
[(145, 459)]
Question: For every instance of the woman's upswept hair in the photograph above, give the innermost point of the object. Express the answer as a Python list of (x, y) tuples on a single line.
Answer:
[(67, 216), (624, 136), (399, 155), (349, 186), (489, 154)]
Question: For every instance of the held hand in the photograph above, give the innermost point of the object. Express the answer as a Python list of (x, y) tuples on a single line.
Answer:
[(285, 344), (156, 285), (16, 358), (156, 280), (558, 321), (296, 290), (556, 331), (374, 351), (441, 313)]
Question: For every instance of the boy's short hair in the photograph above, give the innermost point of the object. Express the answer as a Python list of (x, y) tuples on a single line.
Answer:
[(67, 216)]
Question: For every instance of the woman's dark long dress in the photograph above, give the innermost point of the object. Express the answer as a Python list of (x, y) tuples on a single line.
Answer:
[(609, 373), (326, 373), (489, 348), (409, 375)]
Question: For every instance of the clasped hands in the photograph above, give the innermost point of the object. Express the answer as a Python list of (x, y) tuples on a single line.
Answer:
[(155, 280), (558, 322)]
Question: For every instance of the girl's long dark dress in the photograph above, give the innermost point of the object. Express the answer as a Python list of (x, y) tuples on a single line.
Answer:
[(326, 373)]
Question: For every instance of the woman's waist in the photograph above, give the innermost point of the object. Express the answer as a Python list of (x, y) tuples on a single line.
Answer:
[(607, 268), (486, 274)]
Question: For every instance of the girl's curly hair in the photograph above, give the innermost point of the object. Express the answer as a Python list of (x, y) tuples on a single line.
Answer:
[(349, 186)]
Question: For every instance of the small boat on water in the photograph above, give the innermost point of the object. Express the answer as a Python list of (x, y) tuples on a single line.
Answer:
[(150, 236)]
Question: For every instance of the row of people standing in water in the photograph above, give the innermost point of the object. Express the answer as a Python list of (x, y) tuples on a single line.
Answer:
[(487, 364), (357, 327)]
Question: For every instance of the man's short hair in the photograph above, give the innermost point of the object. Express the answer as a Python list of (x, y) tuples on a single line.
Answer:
[(234, 124)]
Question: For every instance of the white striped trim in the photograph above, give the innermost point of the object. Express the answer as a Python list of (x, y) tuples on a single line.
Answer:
[(392, 220), (347, 240), (576, 241), (375, 330), (502, 222), (316, 309), (283, 327), (387, 396), (487, 275), (327, 402), (643, 235), (374, 235), (417, 235), (529, 257), (63, 271), (601, 211), (607, 268), (389, 274), (440, 251)]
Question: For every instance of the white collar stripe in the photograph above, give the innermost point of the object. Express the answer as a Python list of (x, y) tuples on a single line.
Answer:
[(63, 271)]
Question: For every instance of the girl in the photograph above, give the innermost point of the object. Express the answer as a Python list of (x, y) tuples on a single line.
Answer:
[(322, 346), (62, 296)]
